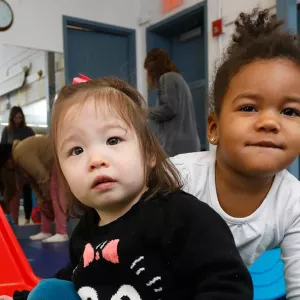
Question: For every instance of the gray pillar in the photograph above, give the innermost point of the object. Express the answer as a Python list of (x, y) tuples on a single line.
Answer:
[(49, 83), (287, 11)]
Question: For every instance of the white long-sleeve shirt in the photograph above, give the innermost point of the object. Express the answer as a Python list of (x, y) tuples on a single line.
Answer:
[(276, 223)]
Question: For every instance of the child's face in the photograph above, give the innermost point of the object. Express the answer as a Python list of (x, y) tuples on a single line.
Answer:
[(100, 158), (258, 129)]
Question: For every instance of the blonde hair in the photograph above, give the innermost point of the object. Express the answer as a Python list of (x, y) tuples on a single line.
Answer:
[(126, 101)]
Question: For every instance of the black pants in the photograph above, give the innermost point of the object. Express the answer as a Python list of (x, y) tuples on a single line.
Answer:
[(27, 198)]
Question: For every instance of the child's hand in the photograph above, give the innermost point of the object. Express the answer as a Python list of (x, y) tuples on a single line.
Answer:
[(3, 297)]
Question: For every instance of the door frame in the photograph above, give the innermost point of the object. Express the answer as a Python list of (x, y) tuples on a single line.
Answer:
[(288, 11), (104, 28), (150, 42)]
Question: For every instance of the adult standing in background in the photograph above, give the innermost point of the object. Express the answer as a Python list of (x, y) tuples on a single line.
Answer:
[(174, 114), (18, 130)]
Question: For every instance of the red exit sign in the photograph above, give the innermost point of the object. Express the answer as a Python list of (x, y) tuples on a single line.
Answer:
[(217, 27), (169, 5)]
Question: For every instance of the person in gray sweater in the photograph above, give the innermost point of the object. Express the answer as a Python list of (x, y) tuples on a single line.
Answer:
[(174, 115), (18, 130)]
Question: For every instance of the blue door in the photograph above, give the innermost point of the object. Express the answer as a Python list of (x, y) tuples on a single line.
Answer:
[(189, 57), (98, 50)]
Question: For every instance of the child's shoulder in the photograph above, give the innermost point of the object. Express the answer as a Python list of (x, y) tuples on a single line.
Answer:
[(89, 219), (185, 206), (194, 169), (195, 158), (180, 199), (289, 179), (287, 188)]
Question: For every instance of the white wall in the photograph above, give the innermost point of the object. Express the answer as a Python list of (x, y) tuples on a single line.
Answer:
[(228, 10), (13, 58), (38, 23), (152, 10)]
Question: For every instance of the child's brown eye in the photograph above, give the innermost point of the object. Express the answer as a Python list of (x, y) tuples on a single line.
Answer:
[(291, 112), (247, 108), (76, 151), (113, 141)]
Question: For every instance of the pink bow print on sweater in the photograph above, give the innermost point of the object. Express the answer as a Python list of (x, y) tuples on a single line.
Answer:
[(109, 253)]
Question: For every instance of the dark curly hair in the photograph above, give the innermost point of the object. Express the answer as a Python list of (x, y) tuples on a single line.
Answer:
[(257, 37)]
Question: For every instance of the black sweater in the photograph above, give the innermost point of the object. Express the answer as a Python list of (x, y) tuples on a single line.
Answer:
[(20, 133), (169, 247)]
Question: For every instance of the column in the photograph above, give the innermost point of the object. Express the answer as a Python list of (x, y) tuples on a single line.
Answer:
[(49, 83)]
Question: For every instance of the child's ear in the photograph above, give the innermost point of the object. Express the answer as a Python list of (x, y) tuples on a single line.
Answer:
[(152, 161), (213, 129)]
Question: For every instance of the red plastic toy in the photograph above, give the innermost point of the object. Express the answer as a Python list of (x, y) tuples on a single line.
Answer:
[(15, 270)]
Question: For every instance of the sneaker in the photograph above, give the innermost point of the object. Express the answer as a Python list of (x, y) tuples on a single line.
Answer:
[(57, 238), (40, 236)]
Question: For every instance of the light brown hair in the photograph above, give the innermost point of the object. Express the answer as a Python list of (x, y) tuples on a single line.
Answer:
[(124, 100), (157, 63)]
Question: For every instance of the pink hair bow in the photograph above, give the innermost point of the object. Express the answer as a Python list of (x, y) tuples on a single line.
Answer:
[(80, 79)]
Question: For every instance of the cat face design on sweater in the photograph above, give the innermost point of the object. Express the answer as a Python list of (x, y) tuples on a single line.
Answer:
[(108, 251)]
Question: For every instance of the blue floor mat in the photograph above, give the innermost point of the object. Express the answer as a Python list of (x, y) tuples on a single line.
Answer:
[(45, 258), (268, 277)]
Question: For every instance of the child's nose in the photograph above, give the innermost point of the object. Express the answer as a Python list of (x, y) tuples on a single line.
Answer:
[(97, 161), (269, 122)]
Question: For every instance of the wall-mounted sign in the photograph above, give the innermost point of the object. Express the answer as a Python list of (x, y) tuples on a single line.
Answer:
[(169, 5), (217, 27)]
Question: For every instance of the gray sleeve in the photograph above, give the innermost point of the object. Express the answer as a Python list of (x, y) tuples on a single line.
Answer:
[(4, 137), (167, 93)]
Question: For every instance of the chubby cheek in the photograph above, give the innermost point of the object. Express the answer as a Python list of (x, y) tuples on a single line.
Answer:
[(231, 140), (70, 175), (131, 159), (131, 171), (228, 138), (72, 178), (295, 142), (76, 185), (232, 130)]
